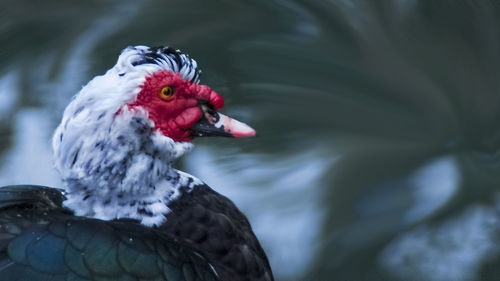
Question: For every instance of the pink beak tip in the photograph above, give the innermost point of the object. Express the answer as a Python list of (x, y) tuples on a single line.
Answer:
[(240, 134), (236, 128)]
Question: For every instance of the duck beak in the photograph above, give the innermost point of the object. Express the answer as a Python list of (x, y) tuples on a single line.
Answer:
[(213, 123)]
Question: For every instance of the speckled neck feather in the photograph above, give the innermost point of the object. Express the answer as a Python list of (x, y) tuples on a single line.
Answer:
[(112, 162)]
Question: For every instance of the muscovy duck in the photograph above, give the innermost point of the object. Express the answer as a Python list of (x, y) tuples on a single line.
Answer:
[(125, 213)]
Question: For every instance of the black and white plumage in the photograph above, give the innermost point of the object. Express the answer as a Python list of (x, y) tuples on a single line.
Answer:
[(114, 152), (123, 157)]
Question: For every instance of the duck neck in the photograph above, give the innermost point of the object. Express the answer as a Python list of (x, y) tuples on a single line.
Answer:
[(125, 172)]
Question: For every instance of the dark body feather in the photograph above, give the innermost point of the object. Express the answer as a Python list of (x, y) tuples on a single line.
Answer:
[(205, 238), (212, 224)]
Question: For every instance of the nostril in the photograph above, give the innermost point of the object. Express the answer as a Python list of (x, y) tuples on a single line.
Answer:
[(208, 111), (206, 104), (209, 114)]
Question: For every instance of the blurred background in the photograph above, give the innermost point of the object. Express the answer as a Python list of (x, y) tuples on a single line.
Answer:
[(377, 155)]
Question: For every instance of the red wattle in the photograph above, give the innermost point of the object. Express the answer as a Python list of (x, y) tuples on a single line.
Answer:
[(188, 117), (173, 117), (216, 100)]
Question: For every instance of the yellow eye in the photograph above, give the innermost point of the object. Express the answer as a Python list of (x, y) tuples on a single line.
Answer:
[(167, 92)]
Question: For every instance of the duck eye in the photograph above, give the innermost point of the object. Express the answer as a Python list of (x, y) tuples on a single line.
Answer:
[(167, 92)]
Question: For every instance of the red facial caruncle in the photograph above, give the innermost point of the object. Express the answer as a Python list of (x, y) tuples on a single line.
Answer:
[(172, 103)]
